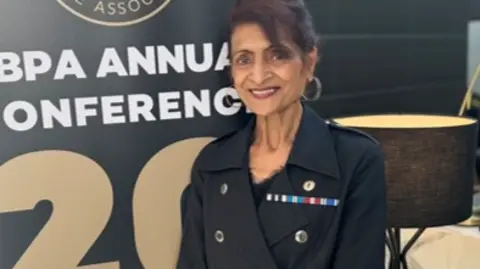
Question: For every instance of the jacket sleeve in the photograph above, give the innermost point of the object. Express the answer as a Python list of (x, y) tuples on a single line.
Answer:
[(192, 250), (361, 236)]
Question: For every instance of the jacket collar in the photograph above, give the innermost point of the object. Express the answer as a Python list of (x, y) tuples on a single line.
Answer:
[(313, 147)]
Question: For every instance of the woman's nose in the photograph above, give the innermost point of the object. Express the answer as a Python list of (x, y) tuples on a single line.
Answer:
[(260, 72)]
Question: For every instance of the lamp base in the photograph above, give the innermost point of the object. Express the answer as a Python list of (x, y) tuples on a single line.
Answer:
[(398, 256)]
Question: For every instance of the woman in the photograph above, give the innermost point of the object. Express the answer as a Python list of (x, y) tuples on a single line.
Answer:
[(289, 190)]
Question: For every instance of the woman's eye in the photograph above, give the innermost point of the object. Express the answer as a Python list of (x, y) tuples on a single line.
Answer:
[(243, 60), (279, 55)]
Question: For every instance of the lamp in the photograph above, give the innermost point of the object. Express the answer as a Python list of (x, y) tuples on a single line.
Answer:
[(430, 167), (474, 220)]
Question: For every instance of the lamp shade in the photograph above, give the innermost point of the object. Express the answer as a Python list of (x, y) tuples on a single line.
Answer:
[(430, 166)]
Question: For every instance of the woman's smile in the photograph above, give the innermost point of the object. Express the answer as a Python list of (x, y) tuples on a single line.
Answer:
[(264, 93)]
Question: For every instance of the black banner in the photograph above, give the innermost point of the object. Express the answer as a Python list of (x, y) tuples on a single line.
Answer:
[(104, 107)]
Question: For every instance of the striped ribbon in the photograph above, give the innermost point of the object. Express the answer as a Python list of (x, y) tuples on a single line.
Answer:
[(283, 198)]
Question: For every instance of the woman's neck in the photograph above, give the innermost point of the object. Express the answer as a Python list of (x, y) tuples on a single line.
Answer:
[(278, 130)]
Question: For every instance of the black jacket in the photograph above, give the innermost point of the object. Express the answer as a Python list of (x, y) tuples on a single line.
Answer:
[(343, 228)]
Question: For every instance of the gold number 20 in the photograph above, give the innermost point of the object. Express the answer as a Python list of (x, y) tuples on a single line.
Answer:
[(82, 199)]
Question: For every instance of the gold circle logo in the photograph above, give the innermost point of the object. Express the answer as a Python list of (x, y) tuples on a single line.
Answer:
[(114, 13)]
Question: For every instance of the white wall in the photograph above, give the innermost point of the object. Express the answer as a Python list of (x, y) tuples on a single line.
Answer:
[(473, 51)]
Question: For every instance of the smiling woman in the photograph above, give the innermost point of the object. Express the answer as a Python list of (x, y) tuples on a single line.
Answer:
[(289, 190), (278, 43)]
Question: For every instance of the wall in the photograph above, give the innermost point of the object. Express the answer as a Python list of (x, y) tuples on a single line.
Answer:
[(474, 42), (474, 51), (389, 56), (474, 9)]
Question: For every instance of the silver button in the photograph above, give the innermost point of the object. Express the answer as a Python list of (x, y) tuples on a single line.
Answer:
[(309, 185), (301, 236), (224, 189), (219, 236)]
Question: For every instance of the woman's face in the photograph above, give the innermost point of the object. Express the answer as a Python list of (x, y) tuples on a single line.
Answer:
[(268, 78)]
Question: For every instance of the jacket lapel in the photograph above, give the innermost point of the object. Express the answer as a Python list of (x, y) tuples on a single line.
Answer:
[(235, 211), (313, 150), (280, 219)]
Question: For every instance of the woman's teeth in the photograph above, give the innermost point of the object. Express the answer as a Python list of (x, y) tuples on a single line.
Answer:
[(264, 93)]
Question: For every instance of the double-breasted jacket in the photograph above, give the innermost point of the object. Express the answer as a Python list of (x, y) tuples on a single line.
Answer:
[(325, 210)]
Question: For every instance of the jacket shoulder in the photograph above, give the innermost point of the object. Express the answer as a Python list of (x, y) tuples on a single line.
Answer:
[(354, 146), (209, 154), (349, 133)]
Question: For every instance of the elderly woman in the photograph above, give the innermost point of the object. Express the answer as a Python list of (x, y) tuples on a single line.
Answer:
[(288, 190)]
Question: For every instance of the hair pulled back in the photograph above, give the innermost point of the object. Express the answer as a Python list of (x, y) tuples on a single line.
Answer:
[(290, 18)]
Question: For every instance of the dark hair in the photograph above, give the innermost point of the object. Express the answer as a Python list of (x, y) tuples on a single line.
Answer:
[(276, 18)]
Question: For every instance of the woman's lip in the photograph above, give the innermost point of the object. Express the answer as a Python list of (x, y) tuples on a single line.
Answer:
[(264, 92), (265, 88)]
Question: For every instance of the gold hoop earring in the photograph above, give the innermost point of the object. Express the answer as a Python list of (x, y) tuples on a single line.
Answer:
[(313, 90)]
